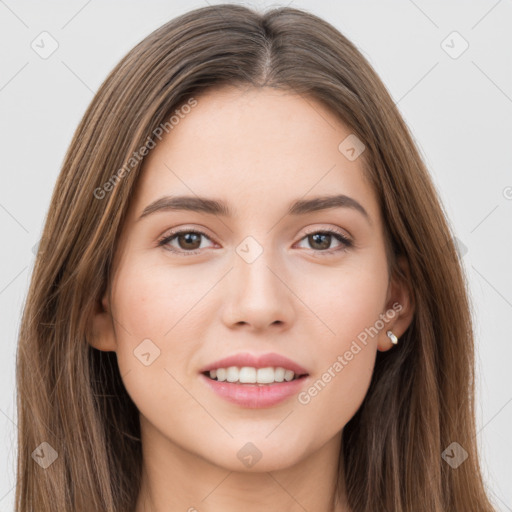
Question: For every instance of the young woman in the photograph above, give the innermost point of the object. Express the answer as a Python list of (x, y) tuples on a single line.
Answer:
[(246, 293)]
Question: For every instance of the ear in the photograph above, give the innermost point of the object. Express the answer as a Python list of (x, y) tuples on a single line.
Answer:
[(102, 332), (400, 305)]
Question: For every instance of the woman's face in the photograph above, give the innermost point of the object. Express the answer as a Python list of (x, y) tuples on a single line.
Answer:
[(264, 276)]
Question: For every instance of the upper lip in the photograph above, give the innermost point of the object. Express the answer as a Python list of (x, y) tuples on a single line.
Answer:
[(256, 361)]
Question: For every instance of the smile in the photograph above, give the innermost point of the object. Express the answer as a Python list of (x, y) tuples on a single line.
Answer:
[(252, 375)]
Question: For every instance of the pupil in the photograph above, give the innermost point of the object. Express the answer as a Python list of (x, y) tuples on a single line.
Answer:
[(189, 237), (315, 237)]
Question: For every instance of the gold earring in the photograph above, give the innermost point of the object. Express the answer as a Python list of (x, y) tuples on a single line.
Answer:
[(392, 337)]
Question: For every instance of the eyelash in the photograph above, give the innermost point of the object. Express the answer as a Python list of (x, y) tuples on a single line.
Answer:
[(346, 242)]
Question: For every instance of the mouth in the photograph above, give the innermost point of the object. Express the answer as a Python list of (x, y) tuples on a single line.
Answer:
[(249, 375), (255, 381)]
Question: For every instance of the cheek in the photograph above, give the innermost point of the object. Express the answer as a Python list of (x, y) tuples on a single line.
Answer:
[(347, 299), (155, 336), (345, 365), (350, 306), (356, 303), (153, 302)]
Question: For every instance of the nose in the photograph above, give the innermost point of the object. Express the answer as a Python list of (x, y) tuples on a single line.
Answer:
[(258, 295)]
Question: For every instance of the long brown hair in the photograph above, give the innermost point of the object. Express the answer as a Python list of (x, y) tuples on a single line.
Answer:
[(71, 396)]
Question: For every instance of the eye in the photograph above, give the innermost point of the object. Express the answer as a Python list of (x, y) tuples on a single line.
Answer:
[(321, 241), (189, 241)]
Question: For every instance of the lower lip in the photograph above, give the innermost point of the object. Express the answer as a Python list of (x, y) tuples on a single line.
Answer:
[(253, 396)]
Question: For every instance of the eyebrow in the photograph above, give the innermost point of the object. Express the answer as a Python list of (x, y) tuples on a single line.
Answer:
[(220, 208)]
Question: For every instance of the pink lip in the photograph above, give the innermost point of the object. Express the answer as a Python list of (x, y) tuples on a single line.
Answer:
[(262, 361), (255, 396)]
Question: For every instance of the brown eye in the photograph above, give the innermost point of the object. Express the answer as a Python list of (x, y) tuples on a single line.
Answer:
[(188, 241), (321, 241)]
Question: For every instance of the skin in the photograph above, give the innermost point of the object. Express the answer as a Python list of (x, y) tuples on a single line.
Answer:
[(259, 150)]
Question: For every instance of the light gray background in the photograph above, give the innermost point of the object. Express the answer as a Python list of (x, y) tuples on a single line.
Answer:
[(459, 111)]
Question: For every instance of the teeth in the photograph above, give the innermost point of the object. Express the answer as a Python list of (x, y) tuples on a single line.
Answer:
[(232, 374), (250, 375), (288, 375), (279, 374)]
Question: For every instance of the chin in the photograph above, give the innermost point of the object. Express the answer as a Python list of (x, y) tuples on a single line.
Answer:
[(254, 457)]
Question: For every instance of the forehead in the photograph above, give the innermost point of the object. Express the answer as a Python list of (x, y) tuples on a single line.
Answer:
[(259, 149)]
